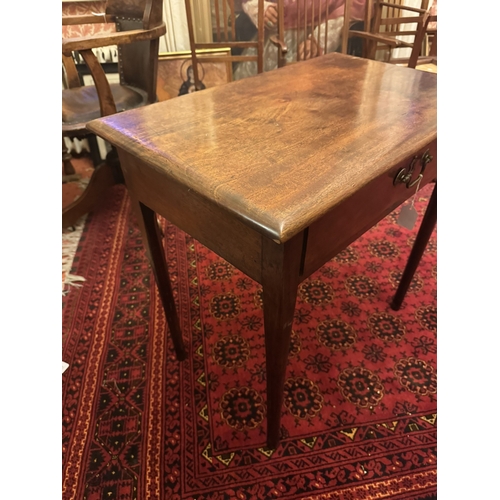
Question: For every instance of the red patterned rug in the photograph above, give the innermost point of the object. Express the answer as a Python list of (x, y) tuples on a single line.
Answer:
[(359, 416)]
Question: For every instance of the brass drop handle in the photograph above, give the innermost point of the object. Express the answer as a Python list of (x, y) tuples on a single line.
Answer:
[(404, 175)]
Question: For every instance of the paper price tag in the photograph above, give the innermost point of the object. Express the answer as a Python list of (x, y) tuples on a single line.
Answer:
[(408, 216)]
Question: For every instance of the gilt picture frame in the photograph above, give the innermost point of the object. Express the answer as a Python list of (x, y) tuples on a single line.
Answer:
[(175, 72)]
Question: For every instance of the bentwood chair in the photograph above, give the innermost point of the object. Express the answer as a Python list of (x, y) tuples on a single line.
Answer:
[(393, 25), (221, 34), (139, 26)]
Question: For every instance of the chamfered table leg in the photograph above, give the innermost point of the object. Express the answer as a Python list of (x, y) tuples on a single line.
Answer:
[(423, 235), (280, 279), (154, 246)]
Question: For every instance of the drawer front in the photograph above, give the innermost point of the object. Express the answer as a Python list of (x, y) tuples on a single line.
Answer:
[(348, 221)]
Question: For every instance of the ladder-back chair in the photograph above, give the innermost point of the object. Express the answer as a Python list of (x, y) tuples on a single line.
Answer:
[(429, 30), (223, 35), (311, 28), (393, 25)]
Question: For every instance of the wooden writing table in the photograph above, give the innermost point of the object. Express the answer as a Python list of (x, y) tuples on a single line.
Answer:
[(277, 174)]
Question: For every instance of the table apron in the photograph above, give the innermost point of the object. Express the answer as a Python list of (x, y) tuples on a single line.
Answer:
[(336, 230), (240, 245), (207, 222)]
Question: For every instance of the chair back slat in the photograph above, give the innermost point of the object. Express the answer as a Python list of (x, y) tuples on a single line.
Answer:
[(417, 48), (313, 36), (392, 20), (223, 36), (225, 19), (217, 21)]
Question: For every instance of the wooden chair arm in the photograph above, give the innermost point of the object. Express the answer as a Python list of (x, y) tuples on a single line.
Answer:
[(402, 7), (72, 78), (388, 21), (419, 37), (106, 100), (393, 42), (105, 39), (87, 19)]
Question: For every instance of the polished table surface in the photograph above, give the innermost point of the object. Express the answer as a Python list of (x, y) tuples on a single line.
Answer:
[(278, 173)]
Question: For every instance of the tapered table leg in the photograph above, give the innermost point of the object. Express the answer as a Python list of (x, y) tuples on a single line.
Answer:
[(153, 242), (280, 278), (423, 235)]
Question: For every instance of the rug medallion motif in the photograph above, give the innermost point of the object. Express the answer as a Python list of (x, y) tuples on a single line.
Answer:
[(359, 413)]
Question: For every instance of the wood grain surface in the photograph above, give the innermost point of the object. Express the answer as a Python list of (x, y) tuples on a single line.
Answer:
[(281, 149)]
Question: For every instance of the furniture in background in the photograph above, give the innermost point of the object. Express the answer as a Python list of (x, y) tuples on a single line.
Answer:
[(69, 171), (263, 36), (139, 25), (383, 31), (238, 178), (223, 35), (429, 30), (318, 26), (95, 147), (313, 31)]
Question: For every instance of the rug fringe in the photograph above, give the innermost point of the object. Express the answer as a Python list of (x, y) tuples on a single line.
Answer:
[(71, 280), (70, 240)]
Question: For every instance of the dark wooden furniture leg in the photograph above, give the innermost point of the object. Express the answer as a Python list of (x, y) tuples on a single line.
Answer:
[(280, 279), (154, 247), (102, 179), (424, 233), (95, 155), (66, 158), (106, 175)]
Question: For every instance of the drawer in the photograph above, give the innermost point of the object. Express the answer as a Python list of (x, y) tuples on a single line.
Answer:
[(350, 219)]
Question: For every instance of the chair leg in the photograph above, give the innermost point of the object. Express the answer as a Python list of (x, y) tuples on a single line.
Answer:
[(94, 149), (424, 233), (66, 159)]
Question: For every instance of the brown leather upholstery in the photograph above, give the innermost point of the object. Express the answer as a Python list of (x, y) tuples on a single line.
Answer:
[(81, 104)]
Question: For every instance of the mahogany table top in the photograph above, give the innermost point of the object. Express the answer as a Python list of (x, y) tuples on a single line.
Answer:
[(281, 149)]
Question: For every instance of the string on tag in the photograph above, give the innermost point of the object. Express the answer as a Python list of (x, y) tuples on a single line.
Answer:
[(408, 215), (416, 191)]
